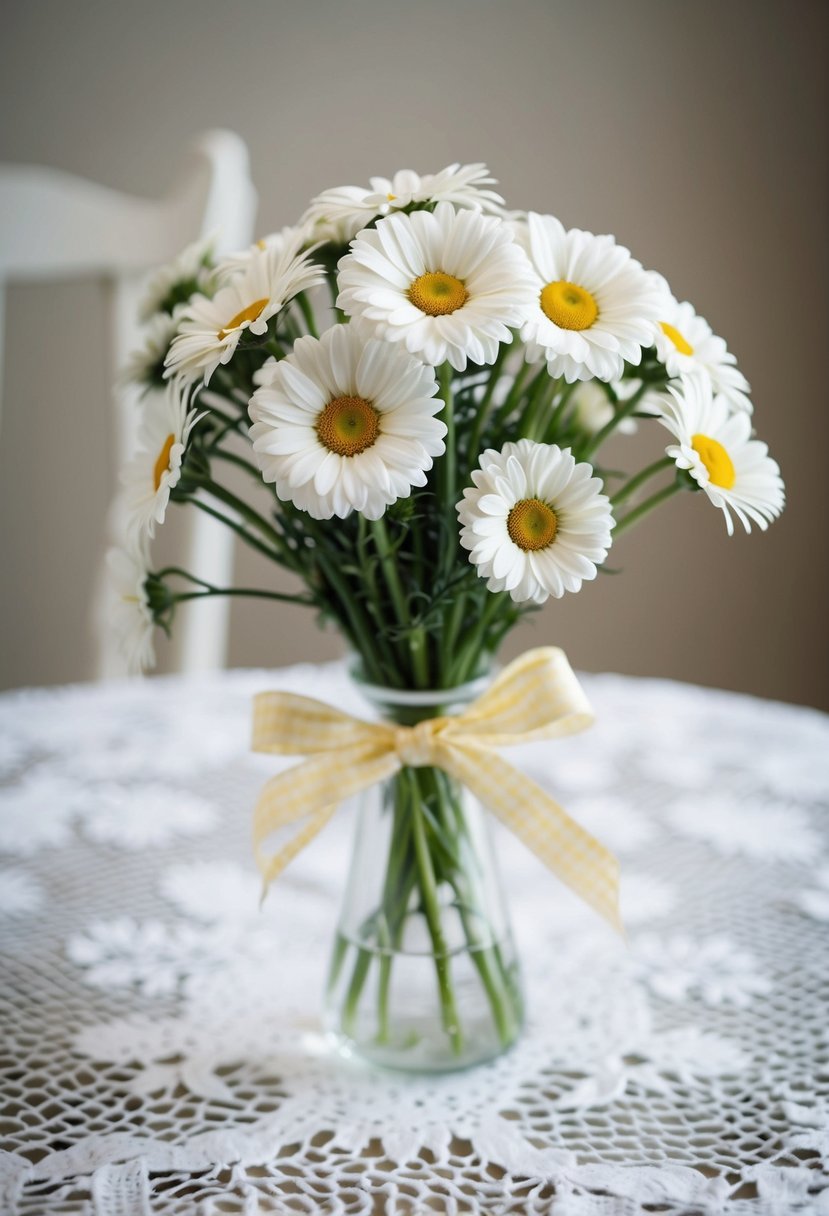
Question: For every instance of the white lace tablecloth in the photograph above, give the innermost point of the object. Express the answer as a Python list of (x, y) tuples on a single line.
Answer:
[(161, 1045)]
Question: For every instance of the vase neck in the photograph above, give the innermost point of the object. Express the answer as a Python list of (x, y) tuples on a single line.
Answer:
[(409, 706)]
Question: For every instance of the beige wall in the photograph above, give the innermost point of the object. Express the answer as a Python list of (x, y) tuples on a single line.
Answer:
[(695, 132)]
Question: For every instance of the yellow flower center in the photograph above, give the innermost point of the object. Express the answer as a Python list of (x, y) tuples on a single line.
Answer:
[(531, 524), (716, 460), (348, 425), (684, 348), (247, 314), (437, 293), (568, 306), (391, 197), (163, 462)]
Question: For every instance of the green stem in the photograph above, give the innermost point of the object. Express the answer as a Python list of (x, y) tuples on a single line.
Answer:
[(471, 650), (450, 632), (211, 589), (472, 452), (287, 556), (372, 593), (513, 397), (487, 963), (648, 505), (609, 427), (486, 958), (420, 656), (384, 978), (240, 461), (447, 462), (274, 347), (400, 880), (386, 556), (354, 622), (251, 592), (225, 377), (229, 427), (182, 573), (230, 423), (358, 979), (431, 910), (307, 313), (543, 389), (447, 473), (234, 526), (549, 434), (635, 482), (416, 635), (242, 508), (338, 958), (500, 630)]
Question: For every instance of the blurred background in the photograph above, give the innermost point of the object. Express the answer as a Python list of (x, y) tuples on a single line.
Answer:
[(695, 133)]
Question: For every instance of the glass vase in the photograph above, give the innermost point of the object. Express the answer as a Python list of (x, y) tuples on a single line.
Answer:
[(424, 974)]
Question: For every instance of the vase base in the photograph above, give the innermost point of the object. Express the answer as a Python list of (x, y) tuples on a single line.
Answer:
[(423, 1062), (395, 1022)]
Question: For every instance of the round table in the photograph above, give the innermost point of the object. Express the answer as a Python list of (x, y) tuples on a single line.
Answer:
[(161, 1043)]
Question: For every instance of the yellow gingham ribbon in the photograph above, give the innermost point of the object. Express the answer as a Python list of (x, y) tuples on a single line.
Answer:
[(536, 697)]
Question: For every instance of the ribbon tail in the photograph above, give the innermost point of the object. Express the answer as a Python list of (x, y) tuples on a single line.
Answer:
[(272, 867), (306, 796), (576, 857)]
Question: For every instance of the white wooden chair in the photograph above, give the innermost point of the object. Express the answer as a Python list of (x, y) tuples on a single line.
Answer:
[(55, 226)]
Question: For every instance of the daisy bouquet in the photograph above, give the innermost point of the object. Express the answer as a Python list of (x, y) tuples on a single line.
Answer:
[(418, 387)]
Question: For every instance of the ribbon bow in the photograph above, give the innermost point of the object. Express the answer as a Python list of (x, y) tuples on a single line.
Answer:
[(536, 697)]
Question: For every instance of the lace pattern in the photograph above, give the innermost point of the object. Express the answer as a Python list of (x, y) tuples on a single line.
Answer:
[(161, 1047)]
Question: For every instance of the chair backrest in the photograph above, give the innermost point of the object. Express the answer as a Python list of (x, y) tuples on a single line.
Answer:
[(55, 226)]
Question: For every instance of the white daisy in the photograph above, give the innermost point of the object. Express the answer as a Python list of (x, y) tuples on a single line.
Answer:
[(339, 214), (447, 283), (346, 424), (209, 330), (177, 281), (236, 263), (686, 345), (145, 366), (594, 305), (715, 446), (156, 468), (593, 408), (650, 402), (535, 523), (132, 617)]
